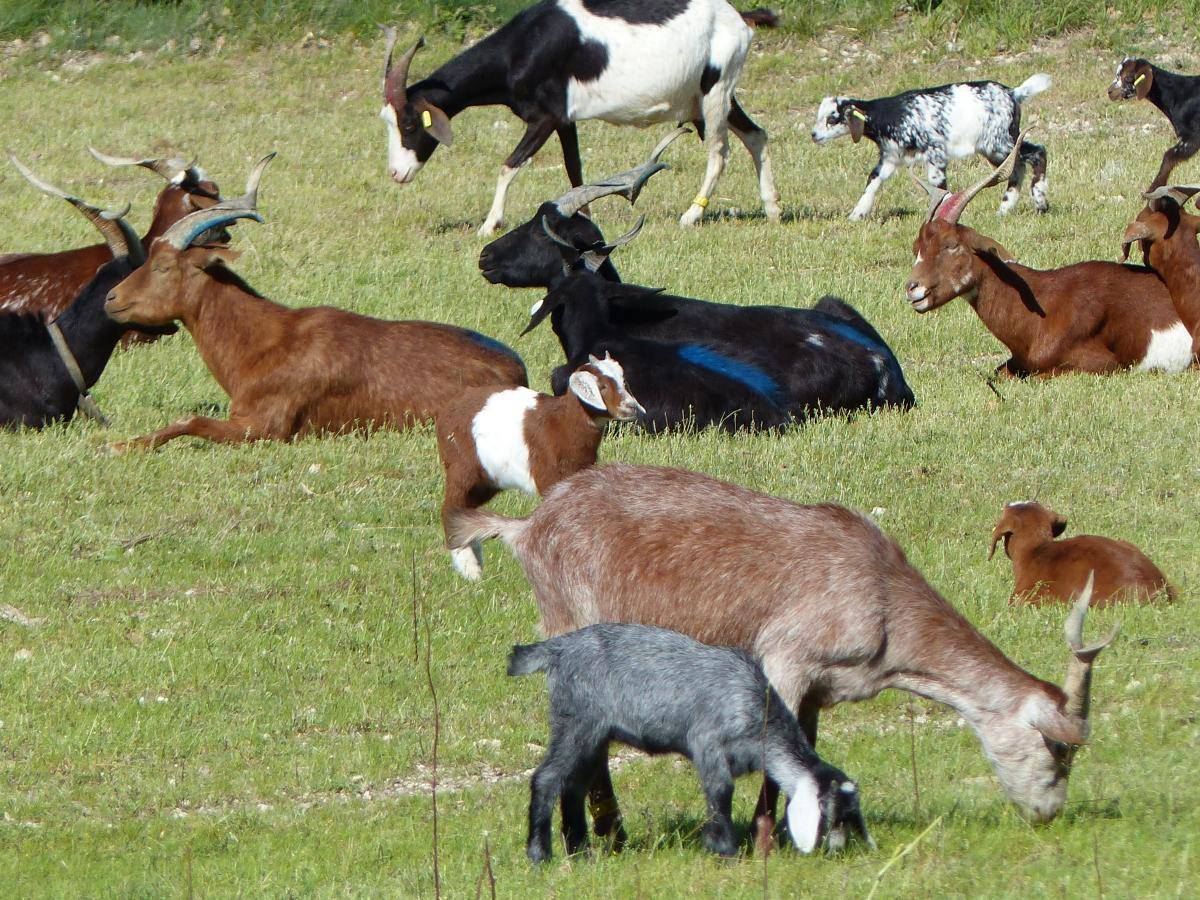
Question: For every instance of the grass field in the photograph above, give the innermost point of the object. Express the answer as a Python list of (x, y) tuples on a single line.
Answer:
[(220, 695)]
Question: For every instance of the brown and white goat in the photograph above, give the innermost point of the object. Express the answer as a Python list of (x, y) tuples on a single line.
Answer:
[(291, 372), (497, 438), (45, 284), (1167, 235), (1095, 316), (1050, 571), (826, 599)]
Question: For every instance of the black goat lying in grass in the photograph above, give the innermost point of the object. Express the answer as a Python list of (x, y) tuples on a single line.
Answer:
[(37, 384), (690, 362), (662, 692)]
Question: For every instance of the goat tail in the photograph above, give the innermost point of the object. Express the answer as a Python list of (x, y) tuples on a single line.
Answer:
[(469, 526), (526, 659), (1031, 86), (760, 18)]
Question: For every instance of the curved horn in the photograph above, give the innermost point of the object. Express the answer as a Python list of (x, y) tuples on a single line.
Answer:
[(395, 77), (1180, 193), (184, 232), (173, 169), (625, 238), (1137, 231), (555, 236), (936, 194), (951, 208), (1078, 683), (122, 240), (628, 183)]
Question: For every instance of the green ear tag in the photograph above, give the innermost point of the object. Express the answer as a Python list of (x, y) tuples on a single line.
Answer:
[(426, 118), (858, 114), (1139, 79)]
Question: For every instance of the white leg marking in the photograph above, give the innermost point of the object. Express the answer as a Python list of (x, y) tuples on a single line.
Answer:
[(468, 561), (867, 202), (495, 217), (716, 140), (1011, 196), (756, 143)]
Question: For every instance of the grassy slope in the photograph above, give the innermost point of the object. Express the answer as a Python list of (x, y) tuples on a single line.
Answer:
[(232, 703)]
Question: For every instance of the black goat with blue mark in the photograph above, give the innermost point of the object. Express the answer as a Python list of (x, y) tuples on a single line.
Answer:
[(715, 364)]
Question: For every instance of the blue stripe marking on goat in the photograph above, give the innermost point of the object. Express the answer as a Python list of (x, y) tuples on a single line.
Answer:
[(492, 344), (742, 372), (850, 333)]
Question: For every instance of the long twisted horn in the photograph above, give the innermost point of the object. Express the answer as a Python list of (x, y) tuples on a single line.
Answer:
[(628, 183), (951, 206), (936, 194), (184, 232), (1078, 683), (395, 78), (122, 240), (173, 169)]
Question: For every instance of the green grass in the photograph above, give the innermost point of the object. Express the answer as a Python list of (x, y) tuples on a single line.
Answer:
[(222, 695)]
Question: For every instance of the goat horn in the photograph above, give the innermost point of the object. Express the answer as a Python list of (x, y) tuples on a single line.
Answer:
[(555, 236), (122, 240), (628, 183), (625, 238), (952, 206), (1180, 193), (1137, 231), (395, 77), (1078, 683), (936, 194), (173, 169), (183, 233)]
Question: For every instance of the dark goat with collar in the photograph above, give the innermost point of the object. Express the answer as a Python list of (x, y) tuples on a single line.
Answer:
[(1177, 97), (36, 385), (565, 61)]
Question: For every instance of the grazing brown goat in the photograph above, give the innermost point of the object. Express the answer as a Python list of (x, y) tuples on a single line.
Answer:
[(45, 284), (1167, 236), (501, 437), (291, 372), (1050, 571), (1094, 316)]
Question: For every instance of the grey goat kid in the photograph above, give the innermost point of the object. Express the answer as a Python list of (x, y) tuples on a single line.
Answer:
[(662, 692)]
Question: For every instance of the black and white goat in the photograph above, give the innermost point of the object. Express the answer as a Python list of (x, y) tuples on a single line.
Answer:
[(566, 61), (1177, 97), (934, 125), (47, 369), (663, 692)]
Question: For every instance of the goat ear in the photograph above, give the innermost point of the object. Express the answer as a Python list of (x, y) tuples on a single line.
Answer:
[(1058, 525), (986, 246), (804, 815), (856, 120), (997, 535), (436, 123), (1142, 81), (586, 386), (1056, 725)]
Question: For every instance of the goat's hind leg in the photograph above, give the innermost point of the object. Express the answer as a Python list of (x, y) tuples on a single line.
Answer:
[(574, 821), (715, 108), (233, 431), (468, 561), (1035, 155), (755, 141), (606, 812)]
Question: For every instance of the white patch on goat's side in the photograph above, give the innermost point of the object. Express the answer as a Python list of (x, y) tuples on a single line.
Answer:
[(652, 73), (804, 814), (965, 120), (403, 164), (499, 434), (816, 340), (1170, 349)]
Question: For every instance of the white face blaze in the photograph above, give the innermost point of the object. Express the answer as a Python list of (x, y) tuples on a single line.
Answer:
[(824, 130), (804, 814), (403, 164)]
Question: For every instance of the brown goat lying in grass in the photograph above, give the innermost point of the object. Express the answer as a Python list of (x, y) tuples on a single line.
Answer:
[(1050, 571), (291, 372)]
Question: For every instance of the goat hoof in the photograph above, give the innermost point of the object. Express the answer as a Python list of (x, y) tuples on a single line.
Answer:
[(857, 216), (774, 213), (487, 229), (468, 562), (692, 216)]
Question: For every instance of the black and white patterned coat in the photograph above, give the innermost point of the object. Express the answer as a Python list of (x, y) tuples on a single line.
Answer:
[(933, 126)]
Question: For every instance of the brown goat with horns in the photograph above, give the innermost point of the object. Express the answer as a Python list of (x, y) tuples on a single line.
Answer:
[(1094, 316), (291, 372)]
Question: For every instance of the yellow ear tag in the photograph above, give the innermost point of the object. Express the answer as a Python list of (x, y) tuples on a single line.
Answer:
[(1139, 79), (426, 118), (700, 201), (858, 114)]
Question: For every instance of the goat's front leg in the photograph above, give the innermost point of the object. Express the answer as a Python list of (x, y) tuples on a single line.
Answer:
[(1181, 152), (715, 107), (755, 141), (715, 776), (881, 173), (536, 134), (233, 431), (764, 815)]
